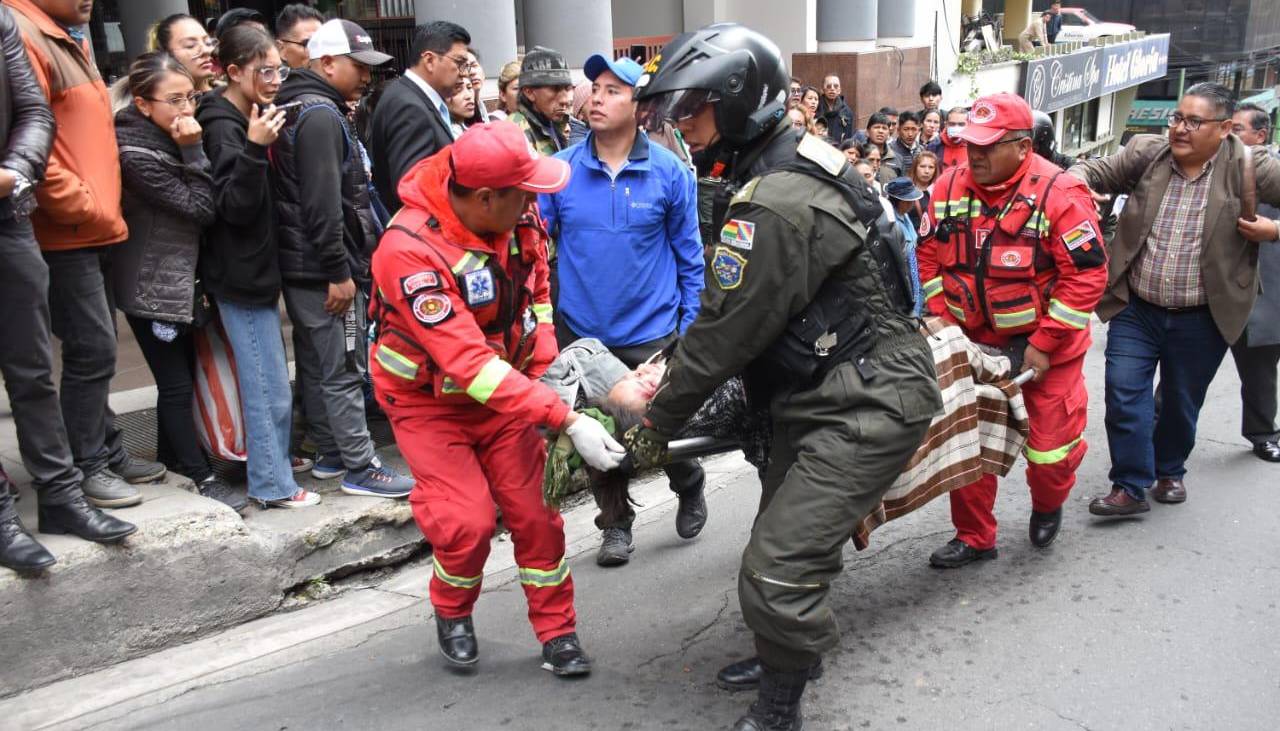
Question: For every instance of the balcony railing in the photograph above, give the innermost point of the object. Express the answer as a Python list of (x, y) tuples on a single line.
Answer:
[(376, 9)]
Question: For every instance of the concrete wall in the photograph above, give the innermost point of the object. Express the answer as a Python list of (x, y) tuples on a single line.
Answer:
[(576, 28), (137, 16), (491, 23), (633, 18), (885, 77)]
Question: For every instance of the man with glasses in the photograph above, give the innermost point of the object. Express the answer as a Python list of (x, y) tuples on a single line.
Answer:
[(411, 121), (327, 232), (1257, 352), (295, 25), (1183, 286), (1011, 250)]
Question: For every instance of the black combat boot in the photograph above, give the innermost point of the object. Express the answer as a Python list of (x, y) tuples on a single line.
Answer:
[(457, 638), (777, 708), (692, 513), (1044, 527), (564, 656), (745, 674)]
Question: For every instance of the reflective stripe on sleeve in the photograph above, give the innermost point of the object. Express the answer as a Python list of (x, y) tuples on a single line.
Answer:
[(462, 582), (540, 578), (932, 288), (395, 363), (1067, 316), (488, 379), (469, 262), (542, 313), (1051, 456)]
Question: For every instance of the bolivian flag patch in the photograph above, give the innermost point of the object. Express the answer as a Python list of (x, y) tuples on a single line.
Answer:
[(1079, 236), (728, 267), (1084, 246), (738, 234)]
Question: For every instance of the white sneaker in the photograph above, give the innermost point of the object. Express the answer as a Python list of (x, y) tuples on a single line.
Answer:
[(301, 499)]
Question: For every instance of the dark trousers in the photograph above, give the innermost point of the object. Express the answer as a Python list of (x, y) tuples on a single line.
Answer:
[(684, 477), (1257, 366), (27, 364), (82, 319), (172, 366), (1147, 443)]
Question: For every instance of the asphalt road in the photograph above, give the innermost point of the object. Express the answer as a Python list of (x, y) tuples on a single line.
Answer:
[(1168, 621)]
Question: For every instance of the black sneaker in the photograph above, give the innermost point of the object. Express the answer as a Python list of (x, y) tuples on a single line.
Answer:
[(615, 547), (214, 488), (563, 656)]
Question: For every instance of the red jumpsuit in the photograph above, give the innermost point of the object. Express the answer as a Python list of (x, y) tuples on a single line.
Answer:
[(1027, 260), (464, 332)]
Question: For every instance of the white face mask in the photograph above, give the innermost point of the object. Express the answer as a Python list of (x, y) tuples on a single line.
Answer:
[(954, 130)]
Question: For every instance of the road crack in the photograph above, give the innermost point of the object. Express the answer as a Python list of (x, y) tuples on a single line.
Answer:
[(689, 640)]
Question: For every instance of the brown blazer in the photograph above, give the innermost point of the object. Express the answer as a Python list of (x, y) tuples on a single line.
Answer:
[(1228, 263)]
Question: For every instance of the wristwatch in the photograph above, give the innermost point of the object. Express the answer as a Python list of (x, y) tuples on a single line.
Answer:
[(22, 201)]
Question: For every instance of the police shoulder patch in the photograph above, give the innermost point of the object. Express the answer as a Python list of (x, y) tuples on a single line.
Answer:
[(738, 233), (827, 157), (432, 308), (415, 283), (728, 266), (744, 195), (478, 287)]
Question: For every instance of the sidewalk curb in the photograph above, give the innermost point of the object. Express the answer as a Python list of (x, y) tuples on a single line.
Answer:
[(110, 693)]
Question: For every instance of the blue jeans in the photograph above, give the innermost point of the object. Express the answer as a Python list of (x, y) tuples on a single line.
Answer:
[(265, 396), (1148, 443)]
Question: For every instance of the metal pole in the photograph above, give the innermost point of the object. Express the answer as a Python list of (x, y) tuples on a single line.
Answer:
[(1182, 81)]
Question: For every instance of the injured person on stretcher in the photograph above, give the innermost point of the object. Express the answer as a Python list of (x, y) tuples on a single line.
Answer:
[(981, 430)]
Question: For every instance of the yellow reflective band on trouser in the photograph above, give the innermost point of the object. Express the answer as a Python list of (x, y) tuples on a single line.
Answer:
[(1052, 456), (1067, 316), (462, 582), (540, 578), (932, 288), (1015, 319), (488, 379), (469, 262), (396, 364), (542, 313)]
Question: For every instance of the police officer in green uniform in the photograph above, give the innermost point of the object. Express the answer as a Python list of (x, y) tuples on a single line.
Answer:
[(807, 299)]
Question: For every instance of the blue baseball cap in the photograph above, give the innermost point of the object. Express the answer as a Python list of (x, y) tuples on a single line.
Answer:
[(624, 68), (903, 189)]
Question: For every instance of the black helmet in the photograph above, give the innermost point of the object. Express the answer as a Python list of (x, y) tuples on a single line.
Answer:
[(726, 63), (1042, 140)]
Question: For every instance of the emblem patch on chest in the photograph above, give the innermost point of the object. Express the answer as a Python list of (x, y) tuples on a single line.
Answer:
[(415, 283), (728, 267), (739, 234), (479, 287), (432, 308), (1011, 258)]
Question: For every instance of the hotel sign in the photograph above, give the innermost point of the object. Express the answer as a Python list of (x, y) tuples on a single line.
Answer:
[(1058, 82)]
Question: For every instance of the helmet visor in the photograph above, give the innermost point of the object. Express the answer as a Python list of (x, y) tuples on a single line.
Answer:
[(673, 106)]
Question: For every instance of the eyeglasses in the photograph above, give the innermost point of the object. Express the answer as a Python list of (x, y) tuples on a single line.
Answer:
[(1192, 123), (464, 65), (303, 43), (179, 102), (195, 44), (271, 74)]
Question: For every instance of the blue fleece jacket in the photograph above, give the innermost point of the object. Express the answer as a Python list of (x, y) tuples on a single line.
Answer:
[(629, 253)]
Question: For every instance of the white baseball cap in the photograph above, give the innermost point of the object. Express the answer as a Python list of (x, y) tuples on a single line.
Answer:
[(340, 37)]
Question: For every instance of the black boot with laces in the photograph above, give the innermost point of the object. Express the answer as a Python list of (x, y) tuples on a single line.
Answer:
[(777, 708)]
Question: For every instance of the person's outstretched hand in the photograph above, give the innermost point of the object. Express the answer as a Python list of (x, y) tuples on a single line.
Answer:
[(593, 442)]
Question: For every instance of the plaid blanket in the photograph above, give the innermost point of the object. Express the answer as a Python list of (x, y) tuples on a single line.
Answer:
[(982, 429)]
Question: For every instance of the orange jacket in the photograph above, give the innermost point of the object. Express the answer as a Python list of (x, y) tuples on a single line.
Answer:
[(1026, 261), (461, 317), (79, 200)]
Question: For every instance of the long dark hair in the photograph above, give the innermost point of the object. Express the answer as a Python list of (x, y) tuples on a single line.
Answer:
[(148, 70), (243, 44)]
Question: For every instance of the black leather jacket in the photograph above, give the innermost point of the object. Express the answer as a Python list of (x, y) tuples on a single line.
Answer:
[(26, 124)]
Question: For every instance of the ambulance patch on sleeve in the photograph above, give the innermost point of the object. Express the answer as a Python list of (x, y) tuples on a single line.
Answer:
[(1085, 246), (479, 287), (738, 233), (415, 283), (728, 267), (432, 308)]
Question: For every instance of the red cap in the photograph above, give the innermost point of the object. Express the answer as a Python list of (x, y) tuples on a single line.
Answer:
[(992, 116), (497, 155)]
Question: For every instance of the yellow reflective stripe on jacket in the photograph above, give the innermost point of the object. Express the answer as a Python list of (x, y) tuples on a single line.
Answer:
[(959, 313), (1014, 319), (1052, 456), (488, 379), (1067, 316), (541, 578), (932, 288), (469, 262), (542, 313), (395, 363), (450, 386), (462, 582)]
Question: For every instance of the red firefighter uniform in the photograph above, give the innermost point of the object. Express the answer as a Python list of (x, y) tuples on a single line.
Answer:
[(464, 331), (1025, 261)]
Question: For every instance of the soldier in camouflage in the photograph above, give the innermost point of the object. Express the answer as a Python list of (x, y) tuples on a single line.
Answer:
[(807, 299)]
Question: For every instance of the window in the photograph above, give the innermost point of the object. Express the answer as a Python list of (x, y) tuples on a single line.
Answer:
[(1080, 125), (1072, 19)]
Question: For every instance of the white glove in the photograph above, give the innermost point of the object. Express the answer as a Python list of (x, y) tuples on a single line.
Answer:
[(594, 444)]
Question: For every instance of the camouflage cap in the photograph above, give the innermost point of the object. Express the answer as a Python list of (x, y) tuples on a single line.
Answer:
[(544, 67)]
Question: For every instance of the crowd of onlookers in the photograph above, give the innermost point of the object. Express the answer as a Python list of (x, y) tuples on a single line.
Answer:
[(232, 170)]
